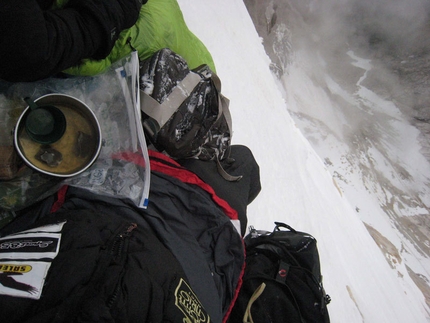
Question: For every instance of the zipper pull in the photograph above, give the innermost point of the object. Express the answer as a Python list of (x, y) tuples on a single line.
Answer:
[(128, 42), (129, 230)]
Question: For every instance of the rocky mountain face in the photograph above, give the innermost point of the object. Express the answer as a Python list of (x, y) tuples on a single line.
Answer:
[(350, 49), (402, 55), (402, 48)]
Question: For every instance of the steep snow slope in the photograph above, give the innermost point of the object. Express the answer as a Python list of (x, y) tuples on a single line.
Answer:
[(297, 187), (347, 72)]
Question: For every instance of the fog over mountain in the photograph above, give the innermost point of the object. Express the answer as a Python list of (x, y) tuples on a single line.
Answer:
[(393, 33), (355, 76)]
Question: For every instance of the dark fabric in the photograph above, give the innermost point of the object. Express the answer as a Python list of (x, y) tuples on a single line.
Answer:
[(108, 270), (187, 219), (45, 4), (190, 215), (207, 246), (188, 223), (192, 227), (164, 164), (37, 43), (237, 194)]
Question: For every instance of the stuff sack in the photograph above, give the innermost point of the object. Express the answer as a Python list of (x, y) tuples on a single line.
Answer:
[(282, 280), (185, 114)]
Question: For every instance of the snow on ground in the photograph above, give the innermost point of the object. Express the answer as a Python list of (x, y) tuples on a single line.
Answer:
[(297, 188)]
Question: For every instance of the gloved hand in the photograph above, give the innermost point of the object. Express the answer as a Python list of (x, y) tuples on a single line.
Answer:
[(112, 16), (37, 43), (131, 9)]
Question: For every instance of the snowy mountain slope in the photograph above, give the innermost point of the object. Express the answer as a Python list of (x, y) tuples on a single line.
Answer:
[(297, 185), (347, 76)]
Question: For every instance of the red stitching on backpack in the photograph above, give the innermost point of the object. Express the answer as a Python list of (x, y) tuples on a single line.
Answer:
[(61, 197)]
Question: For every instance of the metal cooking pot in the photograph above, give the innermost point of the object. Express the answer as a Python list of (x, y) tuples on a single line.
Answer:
[(74, 152)]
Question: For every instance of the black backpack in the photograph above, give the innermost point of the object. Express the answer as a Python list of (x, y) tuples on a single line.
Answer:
[(184, 112), (282, 280)]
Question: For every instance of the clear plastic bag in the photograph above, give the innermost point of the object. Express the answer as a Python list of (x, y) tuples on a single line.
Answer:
[(122, 168)]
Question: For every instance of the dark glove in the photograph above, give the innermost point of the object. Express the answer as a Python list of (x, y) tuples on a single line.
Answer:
[(131, 9), (38, 43), (111, 17)]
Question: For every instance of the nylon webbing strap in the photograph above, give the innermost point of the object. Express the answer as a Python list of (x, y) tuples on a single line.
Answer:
[(223, 102), (247, 317), (225, 175), (226, 111), (161, 112)]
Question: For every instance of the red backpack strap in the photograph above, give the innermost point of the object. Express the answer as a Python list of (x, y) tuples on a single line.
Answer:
[(164, 164)]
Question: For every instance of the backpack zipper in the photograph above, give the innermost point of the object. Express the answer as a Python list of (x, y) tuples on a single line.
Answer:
[(117, 253), (118, 243)]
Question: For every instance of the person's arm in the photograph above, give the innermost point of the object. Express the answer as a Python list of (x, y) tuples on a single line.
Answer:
[(35, 44)]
